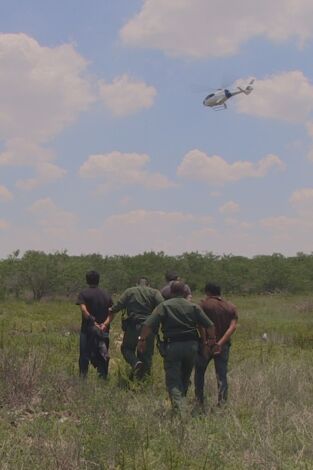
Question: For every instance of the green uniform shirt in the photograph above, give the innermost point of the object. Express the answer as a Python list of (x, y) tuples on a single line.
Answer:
[(178, 317), (139, 302)]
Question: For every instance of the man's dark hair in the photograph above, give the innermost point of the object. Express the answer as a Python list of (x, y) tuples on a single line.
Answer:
[(212, 289), (171, 276), (92, 278), (143, 281), (178, 289)]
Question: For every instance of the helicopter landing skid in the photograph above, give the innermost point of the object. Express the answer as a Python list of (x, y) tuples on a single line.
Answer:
[(222, 107)]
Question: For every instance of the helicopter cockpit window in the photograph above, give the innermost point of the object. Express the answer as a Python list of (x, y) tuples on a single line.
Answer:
[(209, 96)]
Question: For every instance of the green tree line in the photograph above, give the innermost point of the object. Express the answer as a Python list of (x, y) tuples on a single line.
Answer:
[(36, 274)]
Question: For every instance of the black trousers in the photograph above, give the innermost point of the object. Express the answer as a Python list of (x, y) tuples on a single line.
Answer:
[(100, 364)]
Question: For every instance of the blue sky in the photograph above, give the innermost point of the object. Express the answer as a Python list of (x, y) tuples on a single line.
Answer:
[(105, 145)]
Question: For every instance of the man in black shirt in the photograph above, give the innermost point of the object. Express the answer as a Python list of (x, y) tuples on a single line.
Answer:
[(94, 334)]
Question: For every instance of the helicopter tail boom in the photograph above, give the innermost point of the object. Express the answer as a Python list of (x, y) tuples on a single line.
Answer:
[(246, 90)]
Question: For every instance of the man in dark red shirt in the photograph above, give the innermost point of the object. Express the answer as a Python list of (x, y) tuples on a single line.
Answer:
[(225, 317), (94, 334)]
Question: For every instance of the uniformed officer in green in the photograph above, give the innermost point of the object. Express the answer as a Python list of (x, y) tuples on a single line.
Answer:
[(139, 302), (179, 320)]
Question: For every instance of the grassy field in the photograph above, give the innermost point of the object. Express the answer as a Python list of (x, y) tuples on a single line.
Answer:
[(49, 419)]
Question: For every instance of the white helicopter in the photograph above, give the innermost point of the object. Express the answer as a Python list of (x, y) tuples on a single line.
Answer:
[(217, 100)]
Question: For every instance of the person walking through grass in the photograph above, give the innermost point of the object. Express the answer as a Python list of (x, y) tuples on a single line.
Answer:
[(179, 319), (94, 334), (225, 317), (138, 301), (170, 277)]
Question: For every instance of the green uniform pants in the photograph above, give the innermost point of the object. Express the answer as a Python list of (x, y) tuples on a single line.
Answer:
[(179, 360), (129, 346)]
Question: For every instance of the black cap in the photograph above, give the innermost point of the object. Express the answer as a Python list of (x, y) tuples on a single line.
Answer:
[(171, 276)]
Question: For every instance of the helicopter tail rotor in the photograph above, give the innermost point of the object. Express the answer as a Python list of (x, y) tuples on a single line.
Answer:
[(249, 88)]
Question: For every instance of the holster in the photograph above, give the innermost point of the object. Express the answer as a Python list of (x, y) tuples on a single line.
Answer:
[(161, 345), (125, 323), (128, 320)]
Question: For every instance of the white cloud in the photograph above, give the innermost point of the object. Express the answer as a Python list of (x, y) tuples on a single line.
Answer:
[(54, 221), (303, 195), (149, 230), (294, 232), (24, 152), (117, 169), (302, 201), (201, 29), (206, 232), (4, 224), (130, 232), (125, 201), (5, 194), (246, 225), (138, 216), (286, 234), (46, 172), (42, 90), (177, 232), (52, 228), (230, 221), (42, 206), (281, 222), (309, 127), (286, 96), (229, 208), (198, 166), (49, 228), (310, 154), (215, 194), (125, 96)]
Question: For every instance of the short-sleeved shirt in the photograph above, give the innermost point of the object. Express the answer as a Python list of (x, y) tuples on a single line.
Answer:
[(220, 312), (139, 302), (97, 302), (167, 294), (179, 318)]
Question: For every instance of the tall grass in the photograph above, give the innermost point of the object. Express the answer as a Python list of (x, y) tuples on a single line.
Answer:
[(50, 419)]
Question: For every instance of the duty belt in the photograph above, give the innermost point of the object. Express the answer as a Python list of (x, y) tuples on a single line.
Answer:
[(182, 337)]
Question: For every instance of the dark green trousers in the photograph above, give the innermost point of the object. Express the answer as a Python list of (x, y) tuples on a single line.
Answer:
[(129, 348), (179, 360)]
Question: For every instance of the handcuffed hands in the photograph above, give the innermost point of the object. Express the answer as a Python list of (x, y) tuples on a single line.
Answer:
[(210, 348), (141, 346), (216, 349)]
